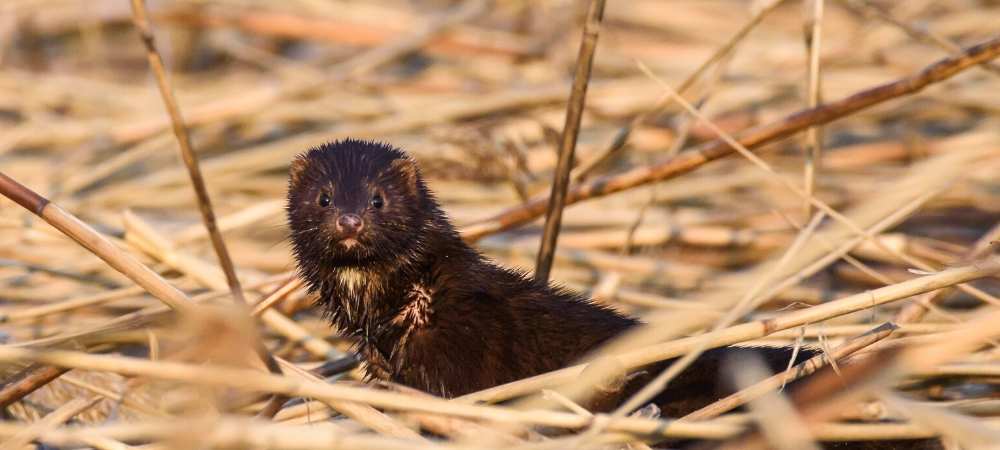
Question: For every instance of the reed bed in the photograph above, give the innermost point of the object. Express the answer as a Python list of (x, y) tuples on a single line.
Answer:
[(783, 172)]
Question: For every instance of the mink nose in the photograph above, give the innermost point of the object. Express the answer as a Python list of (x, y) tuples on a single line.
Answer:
[(349, 224)]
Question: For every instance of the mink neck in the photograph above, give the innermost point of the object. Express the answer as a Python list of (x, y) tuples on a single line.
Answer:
[(363, 299)]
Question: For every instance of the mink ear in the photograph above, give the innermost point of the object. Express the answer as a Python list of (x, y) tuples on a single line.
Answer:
[(296, 169), (407, 168)]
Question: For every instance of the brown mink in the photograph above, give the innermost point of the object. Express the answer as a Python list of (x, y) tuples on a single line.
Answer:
[(427, 310)]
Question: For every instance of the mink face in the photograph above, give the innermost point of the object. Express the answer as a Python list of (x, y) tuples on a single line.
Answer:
[(354, 203)]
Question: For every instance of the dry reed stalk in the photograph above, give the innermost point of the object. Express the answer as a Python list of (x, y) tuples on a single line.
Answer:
[(187, 154), (96, 243), (837, 331), (567, 143), (197, 181), (812, 31), (751, 139), (28, 380)]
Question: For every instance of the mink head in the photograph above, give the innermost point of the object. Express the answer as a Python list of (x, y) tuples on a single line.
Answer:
[(355, 203)]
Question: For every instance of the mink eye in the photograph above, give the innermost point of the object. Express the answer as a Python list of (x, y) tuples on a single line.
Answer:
[(323, 200), (377, 201)]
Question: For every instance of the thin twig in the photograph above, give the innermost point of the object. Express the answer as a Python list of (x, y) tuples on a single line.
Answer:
[(197, 180), (567, 146), (184, 145), (812, 30), (28, 380)]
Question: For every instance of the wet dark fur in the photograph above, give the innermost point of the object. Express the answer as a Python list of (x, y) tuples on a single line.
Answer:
[(430, 312)]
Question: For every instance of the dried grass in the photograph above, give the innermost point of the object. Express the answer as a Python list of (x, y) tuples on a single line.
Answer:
[(870, 196)]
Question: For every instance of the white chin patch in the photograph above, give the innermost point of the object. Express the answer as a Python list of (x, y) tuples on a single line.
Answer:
[(349, 243)]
